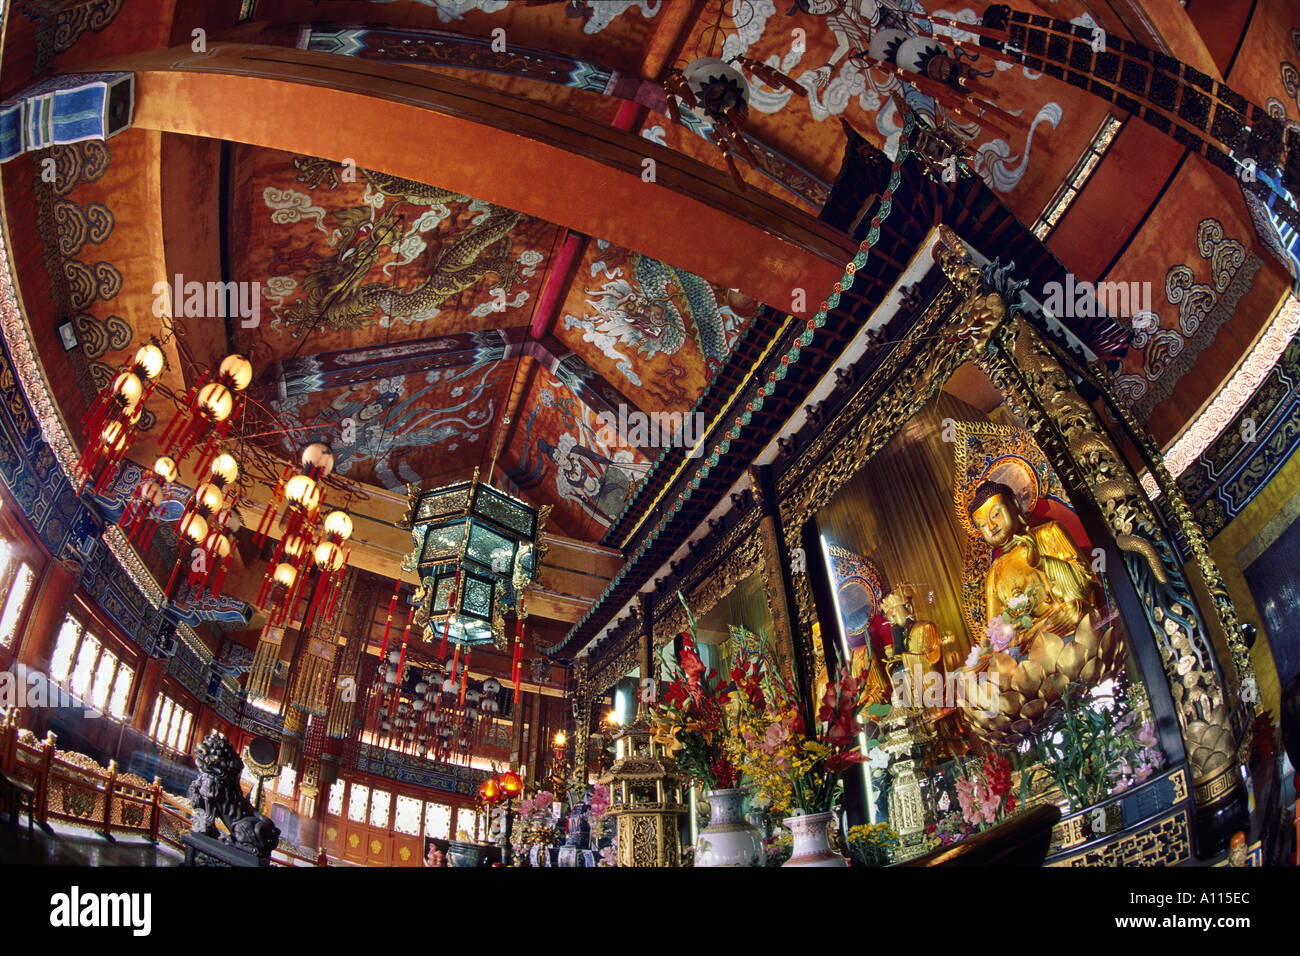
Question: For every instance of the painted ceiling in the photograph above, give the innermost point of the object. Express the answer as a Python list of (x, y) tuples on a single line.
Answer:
[(393, 321)]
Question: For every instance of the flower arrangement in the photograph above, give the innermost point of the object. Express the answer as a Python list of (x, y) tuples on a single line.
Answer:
[(871, 844), (791, 768), (985, 796), (693, 718), (950, 829), (1012, 631), (599, 801), (539, 809), (777, 848), (535, 826), (535, 835), (1096, 753)]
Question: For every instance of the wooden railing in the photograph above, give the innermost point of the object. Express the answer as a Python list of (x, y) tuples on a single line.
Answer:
[(72, 788)]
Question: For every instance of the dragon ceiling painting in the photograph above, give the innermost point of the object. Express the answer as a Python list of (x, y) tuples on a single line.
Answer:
[(379, 301), (352, 260), (343, 253)]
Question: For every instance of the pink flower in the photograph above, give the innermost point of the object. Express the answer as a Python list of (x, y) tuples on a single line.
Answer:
[(1000, 633), (1146, 735), (775, 737), (966, 798)]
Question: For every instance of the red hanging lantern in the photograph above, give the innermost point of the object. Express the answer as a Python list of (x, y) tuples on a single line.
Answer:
[(139, 518), (302, 494), (208, 524), (112, 423), (511, 783), (204, 420)]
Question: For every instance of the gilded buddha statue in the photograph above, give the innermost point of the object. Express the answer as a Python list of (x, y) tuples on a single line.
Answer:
[(1036, 574), (1049, 625)]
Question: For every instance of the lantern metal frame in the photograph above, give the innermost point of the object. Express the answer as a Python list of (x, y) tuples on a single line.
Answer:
[(473, 547)]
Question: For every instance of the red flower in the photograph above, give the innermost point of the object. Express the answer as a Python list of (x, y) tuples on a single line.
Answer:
[(837, 762), (997, 774), (692, 666), (839, 711)]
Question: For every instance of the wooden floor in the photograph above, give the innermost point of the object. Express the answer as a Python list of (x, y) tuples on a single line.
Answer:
[(73, 846)]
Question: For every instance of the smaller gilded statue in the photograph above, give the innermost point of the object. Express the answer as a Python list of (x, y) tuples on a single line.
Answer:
[(916, 646), (921, 660)]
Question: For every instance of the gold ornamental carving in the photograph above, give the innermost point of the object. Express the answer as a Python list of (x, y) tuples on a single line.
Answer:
[(1164, 842), (744, 550), (1063, 422)]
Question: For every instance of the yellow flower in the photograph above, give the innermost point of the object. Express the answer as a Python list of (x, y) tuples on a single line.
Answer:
[(665, 734)]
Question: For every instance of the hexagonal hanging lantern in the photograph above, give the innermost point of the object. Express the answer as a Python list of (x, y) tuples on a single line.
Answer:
[(471, 542)]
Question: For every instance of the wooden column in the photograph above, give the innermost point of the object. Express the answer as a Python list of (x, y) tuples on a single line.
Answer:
[(765, 485)]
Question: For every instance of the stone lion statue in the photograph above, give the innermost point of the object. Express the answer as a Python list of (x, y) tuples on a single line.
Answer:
[(216, 795)]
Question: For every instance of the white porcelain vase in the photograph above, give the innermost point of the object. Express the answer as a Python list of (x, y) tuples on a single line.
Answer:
[(811, 833), (729, 839)]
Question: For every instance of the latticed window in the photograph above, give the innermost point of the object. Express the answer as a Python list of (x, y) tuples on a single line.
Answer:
[(380, 800), (65, 647), (437, 820), (406, 815), (284, 783), (358, 802), (335, 807), (16, 580), (117, 701), (465, 822), (83, 664), (171, 724)]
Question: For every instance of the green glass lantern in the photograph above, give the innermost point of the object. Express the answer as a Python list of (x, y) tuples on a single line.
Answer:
[(472, 547)]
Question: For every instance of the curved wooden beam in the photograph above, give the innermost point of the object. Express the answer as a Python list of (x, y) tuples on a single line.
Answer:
[(438, 130)]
